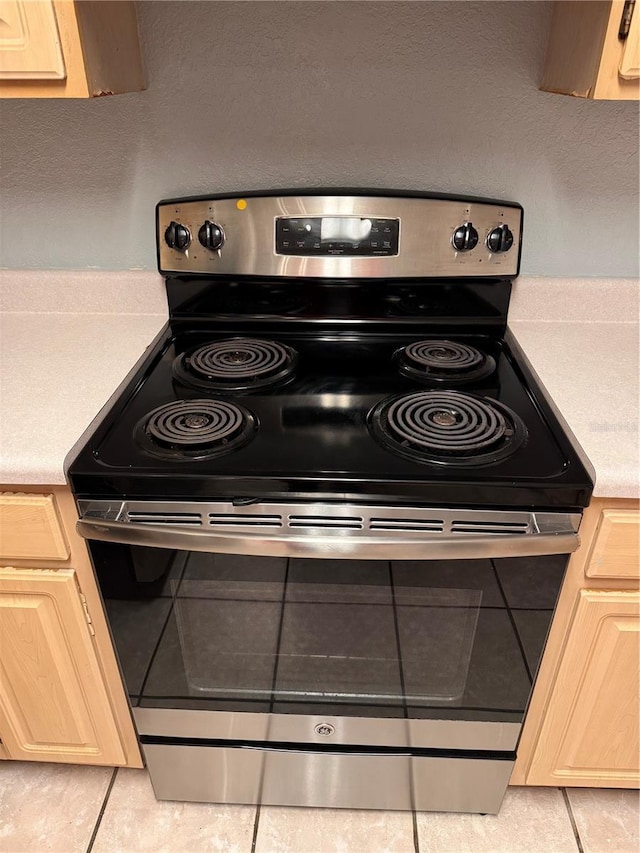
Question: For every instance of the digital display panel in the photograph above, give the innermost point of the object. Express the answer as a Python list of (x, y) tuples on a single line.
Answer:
[(337, 235)]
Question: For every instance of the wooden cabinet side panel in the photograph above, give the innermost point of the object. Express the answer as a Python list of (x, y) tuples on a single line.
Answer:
[(30, 528), (590, 731), (546, 680), (110, 46), (616, 550), (576, 39), (53, 705), (107, 660)]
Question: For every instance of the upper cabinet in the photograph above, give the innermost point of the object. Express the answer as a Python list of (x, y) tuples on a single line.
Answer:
[(65, 49), (594, 50)]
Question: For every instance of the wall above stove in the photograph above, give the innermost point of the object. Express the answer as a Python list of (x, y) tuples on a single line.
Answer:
[(430, 95)]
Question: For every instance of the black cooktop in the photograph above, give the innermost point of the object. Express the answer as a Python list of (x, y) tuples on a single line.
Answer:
[(338, 367), (336, 415)]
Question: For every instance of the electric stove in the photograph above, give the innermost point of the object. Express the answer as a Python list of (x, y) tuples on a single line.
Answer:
[(331, 508)]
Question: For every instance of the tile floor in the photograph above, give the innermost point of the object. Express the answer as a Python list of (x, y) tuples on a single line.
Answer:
[(49, 807)]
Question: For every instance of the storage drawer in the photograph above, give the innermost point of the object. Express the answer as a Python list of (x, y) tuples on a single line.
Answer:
[(295, 777), (30, 528), (615, 552)]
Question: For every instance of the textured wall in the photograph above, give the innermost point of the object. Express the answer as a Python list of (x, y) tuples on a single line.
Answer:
[(425, 95)]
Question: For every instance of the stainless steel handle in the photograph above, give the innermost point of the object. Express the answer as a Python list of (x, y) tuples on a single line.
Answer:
[(319, 546)]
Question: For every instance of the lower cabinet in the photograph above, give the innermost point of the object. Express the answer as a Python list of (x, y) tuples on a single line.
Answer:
[(53, 702), (583, 724), (61, 694), (590, 729)]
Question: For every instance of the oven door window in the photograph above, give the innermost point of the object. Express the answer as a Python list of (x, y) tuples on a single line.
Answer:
[(426, 639)]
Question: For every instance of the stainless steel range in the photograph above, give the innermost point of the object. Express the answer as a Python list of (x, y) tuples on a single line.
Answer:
[(331, 509)]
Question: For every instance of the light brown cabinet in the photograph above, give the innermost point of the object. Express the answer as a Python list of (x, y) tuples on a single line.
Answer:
[(583, 725), (61, 694), (30, 528), (586, 57), (66, 49), (53, 701)]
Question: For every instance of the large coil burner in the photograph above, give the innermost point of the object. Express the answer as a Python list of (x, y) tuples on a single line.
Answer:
[(447, 427), (236, 364), (195, 429), (443, 361)]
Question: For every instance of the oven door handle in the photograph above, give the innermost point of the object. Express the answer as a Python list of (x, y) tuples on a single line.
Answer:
[(459, 546)]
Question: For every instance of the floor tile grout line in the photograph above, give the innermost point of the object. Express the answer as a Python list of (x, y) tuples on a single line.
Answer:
[(574, 826), (416, 843), (102, 809), (254, 839)]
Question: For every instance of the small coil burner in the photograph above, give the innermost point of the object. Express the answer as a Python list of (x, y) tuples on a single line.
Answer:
[(195, 429), (447, 427), (236, 364), (443, 361)]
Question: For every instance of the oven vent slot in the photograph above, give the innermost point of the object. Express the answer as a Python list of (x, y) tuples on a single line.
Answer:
[(428, 525), (332, 522), (220, 519), (490, 527), (191, 519)]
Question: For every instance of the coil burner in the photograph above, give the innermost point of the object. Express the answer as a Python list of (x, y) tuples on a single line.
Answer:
[(236, 364), (443, 361), (447, 427), (195, 429)]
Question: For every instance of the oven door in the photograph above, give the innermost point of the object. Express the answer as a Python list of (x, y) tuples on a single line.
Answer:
[(416, 665)]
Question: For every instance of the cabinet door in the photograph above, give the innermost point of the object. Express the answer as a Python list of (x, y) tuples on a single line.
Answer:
[(53, 701), (30, 528), (589, 735), (29, 44), (616, 549), (630, 62)]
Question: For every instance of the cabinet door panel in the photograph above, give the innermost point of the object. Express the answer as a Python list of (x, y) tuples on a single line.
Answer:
[(29, 44), (30, 528), (590, 731), (630, 62), (53, 702), (616, 550)]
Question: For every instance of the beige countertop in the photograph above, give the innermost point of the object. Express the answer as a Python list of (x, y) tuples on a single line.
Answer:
[(59, 367), (591, 372), (56, 373)]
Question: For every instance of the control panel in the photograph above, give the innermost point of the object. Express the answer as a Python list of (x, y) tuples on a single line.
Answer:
[(337, 235), (340, 236)]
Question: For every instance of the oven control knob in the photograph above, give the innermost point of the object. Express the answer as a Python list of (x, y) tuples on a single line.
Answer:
[(211, 236), (499, 239), (464, 238), (177, 236)]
